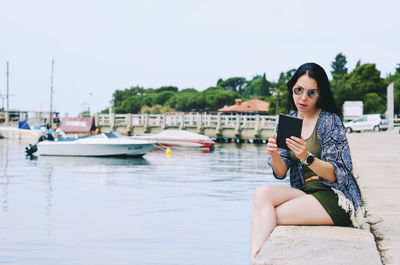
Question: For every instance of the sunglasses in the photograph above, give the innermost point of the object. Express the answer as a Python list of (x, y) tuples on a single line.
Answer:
[(311, 93)]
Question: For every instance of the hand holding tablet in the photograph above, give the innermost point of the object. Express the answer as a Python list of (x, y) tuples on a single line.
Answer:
[(288, 126)]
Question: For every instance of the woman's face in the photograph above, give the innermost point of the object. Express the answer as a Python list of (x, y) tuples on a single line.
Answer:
[(305, 94)]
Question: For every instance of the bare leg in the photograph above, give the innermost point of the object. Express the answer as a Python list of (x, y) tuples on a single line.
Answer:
[(264, 218), (282, 205), (305, 210)]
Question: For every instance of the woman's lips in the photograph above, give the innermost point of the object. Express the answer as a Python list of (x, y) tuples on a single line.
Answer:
[(302, 105)]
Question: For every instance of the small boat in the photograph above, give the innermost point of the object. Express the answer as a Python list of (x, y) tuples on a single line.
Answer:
[(178, 139), (18, 133), (99, 145)]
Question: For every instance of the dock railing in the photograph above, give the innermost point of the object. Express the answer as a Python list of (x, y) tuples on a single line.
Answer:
[(213, 124), (219, 125)]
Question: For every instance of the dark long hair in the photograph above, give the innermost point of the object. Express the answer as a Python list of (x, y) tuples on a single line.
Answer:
[(325, 101)]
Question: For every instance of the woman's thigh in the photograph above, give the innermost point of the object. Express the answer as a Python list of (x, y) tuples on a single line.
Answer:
[(275, 194), (303, 210)]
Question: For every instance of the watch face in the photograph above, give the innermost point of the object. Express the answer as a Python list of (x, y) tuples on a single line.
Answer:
[(309, 159)]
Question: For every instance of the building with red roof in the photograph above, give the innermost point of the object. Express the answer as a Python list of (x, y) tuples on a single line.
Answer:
[(251, 106)]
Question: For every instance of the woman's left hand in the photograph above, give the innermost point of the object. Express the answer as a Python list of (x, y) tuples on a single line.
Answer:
[(298, 146)]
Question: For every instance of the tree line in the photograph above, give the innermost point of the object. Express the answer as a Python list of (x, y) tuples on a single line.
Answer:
[(363, 83)]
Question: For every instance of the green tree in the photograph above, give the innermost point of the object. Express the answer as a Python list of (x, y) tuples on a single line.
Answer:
[(265, 87), (189, 100), (373, 103), (396, 94), (257, 76), (148, 98), (131, 104), (340, 87), (235, 84), (167, 88), (339, 66), (164, 96), (171, 103), (127, 100), (358, 64), (252, 86), (258, 86), (217, 97), (280, 87), (189, 90), (358, 84)]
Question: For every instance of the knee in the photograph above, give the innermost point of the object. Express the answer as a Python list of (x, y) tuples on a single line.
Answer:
[(263, 195)]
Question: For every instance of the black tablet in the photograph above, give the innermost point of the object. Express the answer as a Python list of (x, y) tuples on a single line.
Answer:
[(288, 126)]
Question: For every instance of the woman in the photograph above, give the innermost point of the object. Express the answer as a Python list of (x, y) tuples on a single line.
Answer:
[(323, 188)]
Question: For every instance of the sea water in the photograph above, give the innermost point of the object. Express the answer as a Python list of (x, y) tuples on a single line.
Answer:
[(192, 207)]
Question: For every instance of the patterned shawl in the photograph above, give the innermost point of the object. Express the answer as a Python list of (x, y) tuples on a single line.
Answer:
[(335, 150)]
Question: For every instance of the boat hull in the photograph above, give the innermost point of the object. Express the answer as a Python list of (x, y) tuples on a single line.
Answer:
[(87, 149)]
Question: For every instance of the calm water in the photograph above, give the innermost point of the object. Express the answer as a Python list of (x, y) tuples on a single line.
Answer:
[(190, 208)]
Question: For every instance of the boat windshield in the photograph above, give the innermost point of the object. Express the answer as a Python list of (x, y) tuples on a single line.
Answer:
[(110, 135), (117, 134)]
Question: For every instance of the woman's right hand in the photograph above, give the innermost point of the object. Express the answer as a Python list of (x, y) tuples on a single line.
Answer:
[(272, 148)]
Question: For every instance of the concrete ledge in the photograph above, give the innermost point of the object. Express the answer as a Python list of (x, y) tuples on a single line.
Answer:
[(318, 245)]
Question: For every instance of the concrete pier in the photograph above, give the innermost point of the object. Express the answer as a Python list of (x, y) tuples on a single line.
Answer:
[(318, 245), (376, 157)]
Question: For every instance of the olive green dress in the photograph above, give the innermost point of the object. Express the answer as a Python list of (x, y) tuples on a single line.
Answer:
[(323, 193)]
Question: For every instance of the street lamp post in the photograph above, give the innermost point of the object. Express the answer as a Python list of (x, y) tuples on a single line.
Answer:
[(141, 95), (111, 108), (90, 103), (277, 95)]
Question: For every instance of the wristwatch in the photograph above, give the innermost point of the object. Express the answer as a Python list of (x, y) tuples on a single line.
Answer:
[(309, 159)]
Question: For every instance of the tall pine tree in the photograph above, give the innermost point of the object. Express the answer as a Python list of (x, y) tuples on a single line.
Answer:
[(339, 66), (264, 89)]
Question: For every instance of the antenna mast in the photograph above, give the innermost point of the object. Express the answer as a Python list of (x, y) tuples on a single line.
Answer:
[(7, 86), (51, 93)]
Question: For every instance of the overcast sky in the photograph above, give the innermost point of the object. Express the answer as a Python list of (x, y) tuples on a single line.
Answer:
[(100, 46)]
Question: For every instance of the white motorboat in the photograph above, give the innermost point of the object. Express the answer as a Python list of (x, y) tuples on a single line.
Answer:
[(178, 139), (17, 133), (104, 144)]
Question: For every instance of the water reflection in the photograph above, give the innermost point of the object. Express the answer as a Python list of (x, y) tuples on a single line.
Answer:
[(68, 161), (189, 202), (5, 180)]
